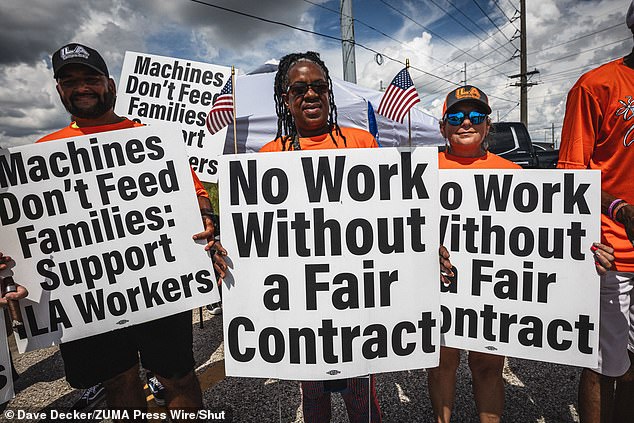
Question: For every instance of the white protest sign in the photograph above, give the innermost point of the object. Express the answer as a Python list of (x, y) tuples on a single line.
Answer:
[(335, 262), (159, 89), (100, 228), (526, 283), (6, 376)]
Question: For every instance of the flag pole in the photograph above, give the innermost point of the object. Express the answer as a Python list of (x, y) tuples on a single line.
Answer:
[(233, 94), (409, 120)]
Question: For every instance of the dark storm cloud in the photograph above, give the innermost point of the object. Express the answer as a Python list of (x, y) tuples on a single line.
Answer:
[(33, 29)]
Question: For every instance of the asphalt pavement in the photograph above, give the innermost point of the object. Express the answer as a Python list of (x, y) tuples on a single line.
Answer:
[(535, 391)]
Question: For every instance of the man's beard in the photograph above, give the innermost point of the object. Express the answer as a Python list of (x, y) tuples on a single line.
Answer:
[(103, 104)]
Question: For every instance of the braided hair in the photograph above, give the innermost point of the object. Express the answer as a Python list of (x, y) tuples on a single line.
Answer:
[(286, 129)]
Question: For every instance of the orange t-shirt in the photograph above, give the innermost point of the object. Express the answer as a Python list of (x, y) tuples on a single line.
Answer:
[(598, 133), (355, 138), (73, 130), (488, 161)]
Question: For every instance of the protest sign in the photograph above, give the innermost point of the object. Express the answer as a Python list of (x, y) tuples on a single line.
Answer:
[(100, 228), (159, 89), (6, 376), (526, 283), (334, 262)]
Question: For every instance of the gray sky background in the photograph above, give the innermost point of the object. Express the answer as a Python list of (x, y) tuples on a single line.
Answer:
[(565, 39)]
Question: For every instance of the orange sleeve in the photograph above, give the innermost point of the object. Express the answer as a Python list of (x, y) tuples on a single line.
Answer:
[(198, 186), (271, 146), (580, 128)]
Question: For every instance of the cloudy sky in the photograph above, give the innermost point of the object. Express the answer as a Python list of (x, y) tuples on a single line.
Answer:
[(440, 38)]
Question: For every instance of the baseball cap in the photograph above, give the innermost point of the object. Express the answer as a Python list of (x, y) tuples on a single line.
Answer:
[(75, 53), (629, 19), (466, 94)]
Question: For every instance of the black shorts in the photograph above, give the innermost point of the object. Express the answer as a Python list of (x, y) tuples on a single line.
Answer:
[(164, 346)]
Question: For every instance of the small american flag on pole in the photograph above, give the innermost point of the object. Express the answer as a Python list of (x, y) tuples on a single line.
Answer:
[(221, 113), (399, 97)]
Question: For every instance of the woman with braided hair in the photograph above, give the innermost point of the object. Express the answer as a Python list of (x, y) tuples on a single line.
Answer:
[(307, 120), (306, 110)]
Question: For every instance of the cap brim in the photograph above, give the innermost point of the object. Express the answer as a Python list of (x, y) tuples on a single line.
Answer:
[(480, 104), (77, 62)]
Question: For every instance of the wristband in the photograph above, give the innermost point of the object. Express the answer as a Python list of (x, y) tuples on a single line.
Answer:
[(613, 204), (206, 211), (618, 208)]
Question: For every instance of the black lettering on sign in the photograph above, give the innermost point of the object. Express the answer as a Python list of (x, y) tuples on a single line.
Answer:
[(324, 177)]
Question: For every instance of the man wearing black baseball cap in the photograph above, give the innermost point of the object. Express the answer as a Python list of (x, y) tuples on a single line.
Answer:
[(80, 55), (598, 133), (163, 346), (84, 86)]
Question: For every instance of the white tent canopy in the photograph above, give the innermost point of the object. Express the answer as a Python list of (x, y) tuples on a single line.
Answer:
[(257, 121)]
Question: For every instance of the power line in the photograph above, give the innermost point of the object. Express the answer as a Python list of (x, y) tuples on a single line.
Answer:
[(477, 62), (448, 14), (369, 26), (576, 39), (509, 112), (430, 31), (573, 70), (463, 52), (489, 18), (442, 86), (549, 95), (259, 18), (489, 67), (460, 23), (565, 57), (436, 77), (494, 51), (226, 9), (581, 52), (434, 94), (502, 11)]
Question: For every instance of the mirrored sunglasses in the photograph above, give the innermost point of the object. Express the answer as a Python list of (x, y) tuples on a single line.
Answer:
[(301, 88), (455, 119)]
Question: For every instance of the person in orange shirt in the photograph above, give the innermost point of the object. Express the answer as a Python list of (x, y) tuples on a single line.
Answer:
[(164, 345), (465, 125), (307, 120), (597, 133)]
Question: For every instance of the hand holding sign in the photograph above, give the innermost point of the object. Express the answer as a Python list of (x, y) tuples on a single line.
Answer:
[(213, 245), (18, 294), (603, 257), (4, 260), (446, 269), (6, 263)]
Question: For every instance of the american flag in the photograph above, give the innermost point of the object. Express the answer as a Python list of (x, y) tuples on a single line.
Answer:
[(399, 97), (221, 113)]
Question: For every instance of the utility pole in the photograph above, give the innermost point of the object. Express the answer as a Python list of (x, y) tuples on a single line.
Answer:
[(523, 75), (465, 73), (523, 87), (347, 43)]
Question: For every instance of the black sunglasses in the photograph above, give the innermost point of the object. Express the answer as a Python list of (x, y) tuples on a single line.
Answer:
[(301, 88)]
